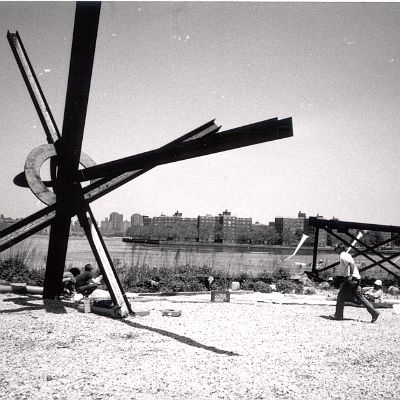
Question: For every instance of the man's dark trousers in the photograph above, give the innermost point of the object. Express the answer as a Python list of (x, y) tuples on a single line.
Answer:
[(87, 290), (350, 290)]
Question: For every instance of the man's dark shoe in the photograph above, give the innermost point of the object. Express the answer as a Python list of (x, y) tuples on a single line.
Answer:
[(374, 318), (335, 318)]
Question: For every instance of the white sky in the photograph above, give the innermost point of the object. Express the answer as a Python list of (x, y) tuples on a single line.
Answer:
[(162, 69)]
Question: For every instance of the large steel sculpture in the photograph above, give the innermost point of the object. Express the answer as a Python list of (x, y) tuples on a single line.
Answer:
[(68, 197), (343, 231)]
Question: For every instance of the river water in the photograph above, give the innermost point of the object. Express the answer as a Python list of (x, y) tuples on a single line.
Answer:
[(230, 260)]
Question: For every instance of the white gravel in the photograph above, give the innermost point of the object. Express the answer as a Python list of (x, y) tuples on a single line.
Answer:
[(212, 351)]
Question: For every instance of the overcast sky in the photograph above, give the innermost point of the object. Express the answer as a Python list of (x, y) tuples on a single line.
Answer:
[(163, 69)]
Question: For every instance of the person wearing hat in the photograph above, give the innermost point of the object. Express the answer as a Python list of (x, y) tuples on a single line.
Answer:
[(350, 289), (374, 294), (84, 281)]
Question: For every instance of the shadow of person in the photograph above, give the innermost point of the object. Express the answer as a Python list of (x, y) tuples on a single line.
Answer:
[(337, 320)]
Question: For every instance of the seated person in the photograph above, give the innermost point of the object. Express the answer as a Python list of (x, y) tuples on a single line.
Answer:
[(84, 281), (68, 283), (75, 271), (375, 294)]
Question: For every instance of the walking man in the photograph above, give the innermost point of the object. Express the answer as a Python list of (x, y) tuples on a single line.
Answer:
[(350, 289)]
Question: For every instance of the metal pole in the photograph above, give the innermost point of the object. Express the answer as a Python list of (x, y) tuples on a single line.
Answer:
[(314, 264)]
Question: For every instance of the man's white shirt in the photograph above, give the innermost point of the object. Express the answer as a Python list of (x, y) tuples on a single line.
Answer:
[(346, 260)]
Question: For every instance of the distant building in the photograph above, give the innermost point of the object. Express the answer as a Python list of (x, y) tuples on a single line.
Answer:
[(166, 220), (125, 225), (76, 229), (224, 228), (105, 227), (136, 220), (206, 228), (147, 220), (5, 222), (290, 228), (322, 234), (232, 227), (116, 220)]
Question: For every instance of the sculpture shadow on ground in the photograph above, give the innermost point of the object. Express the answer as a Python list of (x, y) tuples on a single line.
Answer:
[(51, 306), (183, 339)]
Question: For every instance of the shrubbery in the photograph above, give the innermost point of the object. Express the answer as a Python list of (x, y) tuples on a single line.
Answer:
[(14, 270), (309, 290), (266, 277), (288, 286), (262, 287), (247, 285), (185, 278), (281, 273)]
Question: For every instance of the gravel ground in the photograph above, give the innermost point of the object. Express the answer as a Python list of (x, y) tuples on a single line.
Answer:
[(212, 351)]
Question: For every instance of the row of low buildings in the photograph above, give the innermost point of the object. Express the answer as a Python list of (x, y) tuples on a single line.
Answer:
[(224, 228)]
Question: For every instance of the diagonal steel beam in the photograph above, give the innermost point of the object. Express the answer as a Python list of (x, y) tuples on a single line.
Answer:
[(379, 262), (33, 86), (260, 132), (86, 219), (104, 262), (106, 185), (87, 17), (371, 249), (43, 218)]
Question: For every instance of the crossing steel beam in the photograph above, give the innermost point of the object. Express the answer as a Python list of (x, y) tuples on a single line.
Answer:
[(360, 248), (260, 132), (68, 198)]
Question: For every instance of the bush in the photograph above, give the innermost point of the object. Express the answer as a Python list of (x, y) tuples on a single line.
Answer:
[(309, 290), (288, 286), (221, 280), (262, 287), (265, 277), (325, 275), (281, 273), (324, 286), (242, 277), (247, 285), (14, 270), (394, 291)]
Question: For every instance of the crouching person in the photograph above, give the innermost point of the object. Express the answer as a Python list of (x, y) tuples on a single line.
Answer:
[(84, 282), (375, 294), (68, 283)]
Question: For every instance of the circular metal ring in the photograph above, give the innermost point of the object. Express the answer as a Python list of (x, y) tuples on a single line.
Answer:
[(34, 162)]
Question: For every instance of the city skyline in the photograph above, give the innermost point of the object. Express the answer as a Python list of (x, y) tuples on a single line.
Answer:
[(332, 67), (207, 214)]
